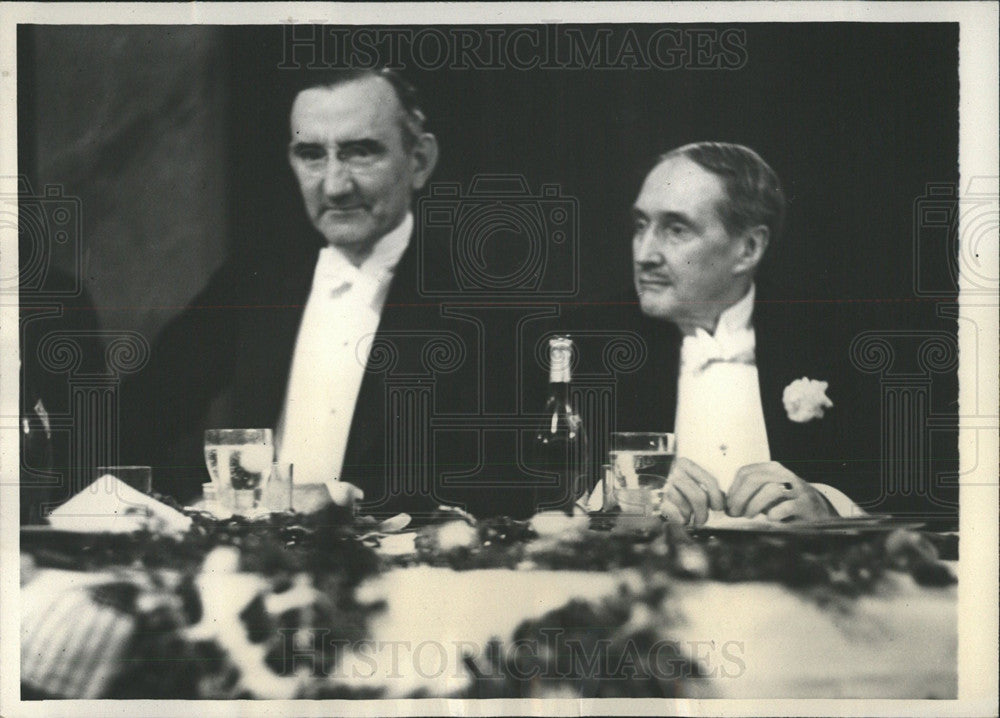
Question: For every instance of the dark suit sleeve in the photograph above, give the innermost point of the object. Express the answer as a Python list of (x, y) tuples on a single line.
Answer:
[(165, 403)]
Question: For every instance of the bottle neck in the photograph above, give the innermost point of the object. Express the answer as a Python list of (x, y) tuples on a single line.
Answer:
[(559, 364), (559, 392)]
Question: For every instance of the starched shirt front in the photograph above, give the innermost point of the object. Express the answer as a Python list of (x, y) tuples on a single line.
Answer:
[(338, 325), (720, 418), (719, 422)]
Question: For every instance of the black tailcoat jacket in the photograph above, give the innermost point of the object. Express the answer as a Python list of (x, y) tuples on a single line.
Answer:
[(225, 361), (854, 445)]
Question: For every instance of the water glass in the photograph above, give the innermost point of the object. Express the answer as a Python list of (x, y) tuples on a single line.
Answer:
[(640, 464), (239, 461)]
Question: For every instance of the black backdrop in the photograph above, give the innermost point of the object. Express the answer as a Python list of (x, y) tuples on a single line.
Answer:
[(857, 119)]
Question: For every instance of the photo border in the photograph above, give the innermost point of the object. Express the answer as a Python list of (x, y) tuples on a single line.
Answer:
[(977, 570)]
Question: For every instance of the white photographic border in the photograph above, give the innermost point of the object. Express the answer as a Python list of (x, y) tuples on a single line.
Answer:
[(977, 571)]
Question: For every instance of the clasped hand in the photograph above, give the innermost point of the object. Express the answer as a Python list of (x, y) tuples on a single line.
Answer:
[(309, 498), (767, 488)]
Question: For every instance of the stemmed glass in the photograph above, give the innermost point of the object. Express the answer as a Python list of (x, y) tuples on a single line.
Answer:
[(239, 461)]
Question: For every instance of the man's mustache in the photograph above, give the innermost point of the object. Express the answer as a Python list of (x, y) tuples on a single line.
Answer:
[(341, 206), (653, 279)]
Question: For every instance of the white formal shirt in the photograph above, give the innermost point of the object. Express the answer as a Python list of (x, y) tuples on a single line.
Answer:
[(719, 422), (331, 351), (720, 419)]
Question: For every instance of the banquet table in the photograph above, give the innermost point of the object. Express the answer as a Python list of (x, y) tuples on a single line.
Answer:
[(436, 625), (755, 639)]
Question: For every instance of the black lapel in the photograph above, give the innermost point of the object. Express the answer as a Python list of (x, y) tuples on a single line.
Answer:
[(792, 342), (365, 455), (660, 380), (773, 355)]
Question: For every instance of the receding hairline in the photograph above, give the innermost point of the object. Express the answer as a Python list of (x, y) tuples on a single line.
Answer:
[(668, 158), (751, 189), (347, 83), (675, 157), (410, 122)]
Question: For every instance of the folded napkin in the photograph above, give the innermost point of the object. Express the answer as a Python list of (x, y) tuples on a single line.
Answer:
[(109, 505)]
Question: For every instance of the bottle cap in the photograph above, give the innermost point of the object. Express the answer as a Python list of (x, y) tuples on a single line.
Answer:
[(560, 353)]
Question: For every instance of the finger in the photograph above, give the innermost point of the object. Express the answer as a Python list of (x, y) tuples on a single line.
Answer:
[(761, 466), (309, 498), (784, 511), (344, 494), (744, 487), (813, 505), (736, 487), (715, 497), (670, 511), (770, 468), (675, 497), (768, 495), (695, 495)]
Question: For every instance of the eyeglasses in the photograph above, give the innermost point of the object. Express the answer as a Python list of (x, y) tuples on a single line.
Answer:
[(313, 157)]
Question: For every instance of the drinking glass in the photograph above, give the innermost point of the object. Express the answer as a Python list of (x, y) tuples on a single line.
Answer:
[(278, 492), (605, 485), (239, 461), (640, 464)]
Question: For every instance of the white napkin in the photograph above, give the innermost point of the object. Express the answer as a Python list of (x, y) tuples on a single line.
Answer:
[(109, 505)]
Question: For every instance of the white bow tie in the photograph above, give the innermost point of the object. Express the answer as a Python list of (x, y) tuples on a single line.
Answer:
[(702, 349), (336, 279)]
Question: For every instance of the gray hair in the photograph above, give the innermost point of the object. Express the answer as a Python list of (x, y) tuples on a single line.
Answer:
[(413, 120), (753, 189)]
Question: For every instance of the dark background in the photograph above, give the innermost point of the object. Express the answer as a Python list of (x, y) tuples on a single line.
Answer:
[(856, 120), (172, 141)]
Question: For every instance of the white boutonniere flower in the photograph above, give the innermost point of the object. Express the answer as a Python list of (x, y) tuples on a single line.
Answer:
[(806, 399)]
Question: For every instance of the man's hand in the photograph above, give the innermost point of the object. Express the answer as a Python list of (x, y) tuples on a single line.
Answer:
[(773, 490), (309, 498), (689, 493)]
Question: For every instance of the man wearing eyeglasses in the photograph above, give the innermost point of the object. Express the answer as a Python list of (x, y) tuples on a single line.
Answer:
[(285, 344)]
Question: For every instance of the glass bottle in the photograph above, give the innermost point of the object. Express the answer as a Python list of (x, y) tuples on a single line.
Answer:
[(560, 445)]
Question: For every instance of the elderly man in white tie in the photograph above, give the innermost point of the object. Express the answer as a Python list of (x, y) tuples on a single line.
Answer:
[(298, 361), (703, 220)]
